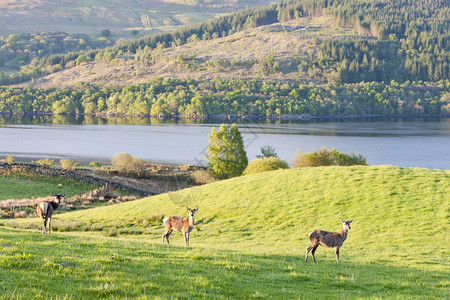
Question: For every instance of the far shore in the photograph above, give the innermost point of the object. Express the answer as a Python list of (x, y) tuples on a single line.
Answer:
[(225, 117)]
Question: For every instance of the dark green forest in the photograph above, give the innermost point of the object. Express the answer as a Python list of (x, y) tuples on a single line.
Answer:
[(399, 63)]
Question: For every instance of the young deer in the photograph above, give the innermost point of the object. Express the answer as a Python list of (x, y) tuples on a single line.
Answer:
[(180, 224), (45, 211), (328, 239)]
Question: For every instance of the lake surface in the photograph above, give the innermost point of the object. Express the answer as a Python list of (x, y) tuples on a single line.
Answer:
[(423, 142)]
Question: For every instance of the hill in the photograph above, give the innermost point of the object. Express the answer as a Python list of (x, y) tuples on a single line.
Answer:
[(250, 229), (120, 17), (244, 54)]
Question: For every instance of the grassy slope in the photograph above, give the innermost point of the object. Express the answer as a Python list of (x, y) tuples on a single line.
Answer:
[(292, 40), (90, 17), (254, 229), (21, 187)]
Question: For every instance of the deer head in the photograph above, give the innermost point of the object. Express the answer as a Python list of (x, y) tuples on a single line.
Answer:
[(191, 211), (58, 197), (346, 224)]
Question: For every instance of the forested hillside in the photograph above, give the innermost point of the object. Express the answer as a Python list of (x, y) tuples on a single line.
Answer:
[(366, 57)]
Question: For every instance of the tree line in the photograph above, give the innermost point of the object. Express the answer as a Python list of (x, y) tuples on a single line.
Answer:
[(193, 98)]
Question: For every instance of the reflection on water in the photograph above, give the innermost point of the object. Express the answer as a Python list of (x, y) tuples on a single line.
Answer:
[(412, 142)]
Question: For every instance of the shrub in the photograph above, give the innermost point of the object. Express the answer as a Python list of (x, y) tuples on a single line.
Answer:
[(45, 161), (124, 162), (265, 164), (202, 177), (67, 164), (325, 157), (95, 164), (10, 159)]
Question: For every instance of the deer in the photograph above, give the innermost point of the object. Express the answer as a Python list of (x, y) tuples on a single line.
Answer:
[(328, 239), (180, 224), (45, 210)]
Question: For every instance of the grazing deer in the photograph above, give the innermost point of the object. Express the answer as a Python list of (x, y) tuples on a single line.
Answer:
[(180, 224), (328, 239), (45, 211)]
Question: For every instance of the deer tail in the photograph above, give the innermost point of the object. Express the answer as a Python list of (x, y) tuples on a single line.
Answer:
[(165, 220), (44, 208)]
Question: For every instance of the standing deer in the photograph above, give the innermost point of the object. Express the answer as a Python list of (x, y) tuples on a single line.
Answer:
[(328, 239), (45, 211), (180, 224)]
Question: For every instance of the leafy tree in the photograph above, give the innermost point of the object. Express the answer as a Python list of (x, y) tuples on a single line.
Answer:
[(226, 156)]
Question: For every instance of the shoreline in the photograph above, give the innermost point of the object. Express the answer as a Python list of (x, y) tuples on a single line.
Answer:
[(284, 117)]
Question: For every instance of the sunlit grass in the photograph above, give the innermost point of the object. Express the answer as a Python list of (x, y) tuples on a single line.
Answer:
[(32, 186), (249, 240)]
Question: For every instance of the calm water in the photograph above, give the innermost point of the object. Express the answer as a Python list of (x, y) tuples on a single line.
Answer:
[(401, 142)]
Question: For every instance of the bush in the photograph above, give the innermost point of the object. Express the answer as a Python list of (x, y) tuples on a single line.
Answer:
[(124, 162), (202, 177), (265, 164), (67, 164), (10, 159), (95, 164), (326, 157), (45, 162)]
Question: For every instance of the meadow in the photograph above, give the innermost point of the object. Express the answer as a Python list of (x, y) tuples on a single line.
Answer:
[(249, 241)]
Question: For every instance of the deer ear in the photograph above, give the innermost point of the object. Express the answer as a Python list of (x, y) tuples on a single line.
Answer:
[(53, 194), (188, 208), (350, 221), (195, 210), (341, 221)]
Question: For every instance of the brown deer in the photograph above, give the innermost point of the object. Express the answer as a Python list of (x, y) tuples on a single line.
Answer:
[(328, 239), (45, 211), (180, 224)]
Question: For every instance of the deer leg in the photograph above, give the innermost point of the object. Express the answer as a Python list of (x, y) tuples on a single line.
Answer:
[(49, 225), (314, 251), (44, 226), (186, 238), (307, 252), (336, 250), (166, 235)]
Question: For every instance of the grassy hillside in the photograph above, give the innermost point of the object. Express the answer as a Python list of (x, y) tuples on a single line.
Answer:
[(121, 17), (20, 187), (239, 55), (253, 229)]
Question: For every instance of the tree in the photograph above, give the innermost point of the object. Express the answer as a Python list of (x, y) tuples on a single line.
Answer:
[(267, 151), (226, 156), (105, 33)]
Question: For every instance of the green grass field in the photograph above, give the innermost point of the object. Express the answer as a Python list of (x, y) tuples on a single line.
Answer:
[(25, 186), (249, 240)]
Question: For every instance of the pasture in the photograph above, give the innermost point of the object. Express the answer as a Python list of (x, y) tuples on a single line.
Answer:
[(249, 241)]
